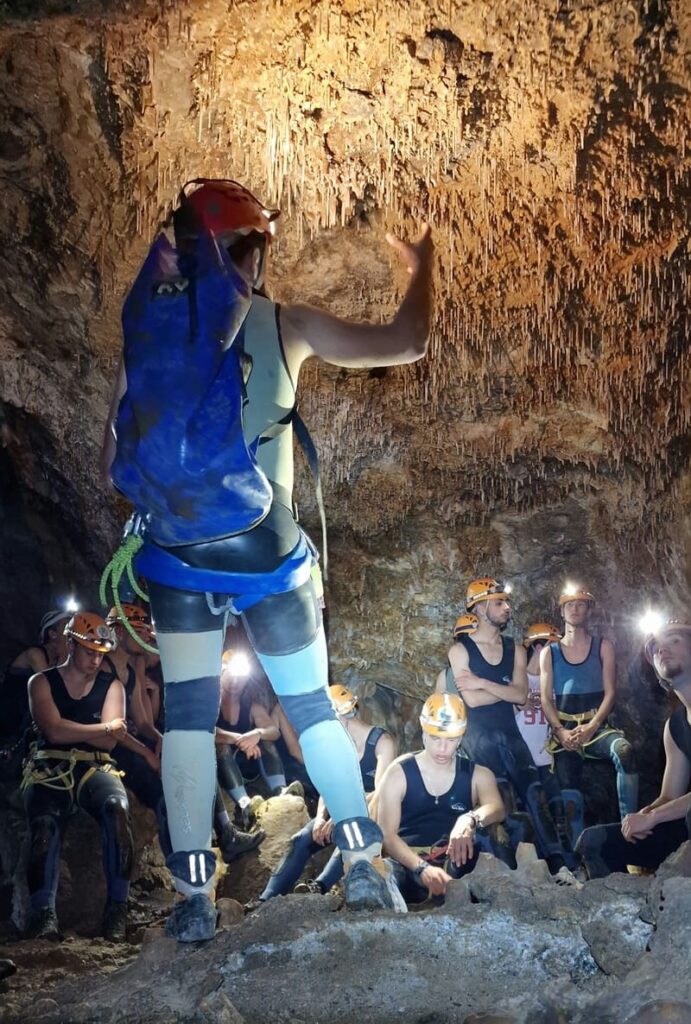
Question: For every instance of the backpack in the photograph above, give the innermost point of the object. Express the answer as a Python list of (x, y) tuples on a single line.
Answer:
[(181, 456)]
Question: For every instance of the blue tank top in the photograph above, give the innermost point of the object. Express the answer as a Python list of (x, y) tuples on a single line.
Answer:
[(579, 687), (426, 820), (499, 716), (368, 762)]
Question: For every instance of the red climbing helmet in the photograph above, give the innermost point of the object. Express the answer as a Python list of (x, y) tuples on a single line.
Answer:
[(226, 207)]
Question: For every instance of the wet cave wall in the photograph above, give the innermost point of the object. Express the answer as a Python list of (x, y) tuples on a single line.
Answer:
[(546, 434)]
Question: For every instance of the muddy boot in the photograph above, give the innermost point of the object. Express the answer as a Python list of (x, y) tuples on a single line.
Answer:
[(194, 918), (115, 922), (43, 924), (368, 883), (234, 844), (7, 969), (311, 888)]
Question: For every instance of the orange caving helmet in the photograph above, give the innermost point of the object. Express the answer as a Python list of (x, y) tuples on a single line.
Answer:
[(465, 625), (344, 700), (226, 207), (541, 632), (485, 588), (444, 714), (135, 615), (91, 631), (575, 592)]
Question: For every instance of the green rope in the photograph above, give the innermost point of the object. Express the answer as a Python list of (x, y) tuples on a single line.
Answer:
[(119, 565)]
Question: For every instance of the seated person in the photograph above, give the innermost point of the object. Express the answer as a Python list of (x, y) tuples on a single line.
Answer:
[(647, 837), (245, 734), (78, 709), (432, 802), (14, 695), (376, 750), (138, 753)]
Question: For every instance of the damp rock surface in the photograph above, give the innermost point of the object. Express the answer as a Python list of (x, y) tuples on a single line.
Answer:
[(506, 945)]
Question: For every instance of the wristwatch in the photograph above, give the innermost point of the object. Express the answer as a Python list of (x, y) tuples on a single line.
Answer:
[(420, 868), (474, 817), (107, 728)]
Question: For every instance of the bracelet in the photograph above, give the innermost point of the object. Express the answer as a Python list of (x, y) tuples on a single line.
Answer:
[(107, 728)]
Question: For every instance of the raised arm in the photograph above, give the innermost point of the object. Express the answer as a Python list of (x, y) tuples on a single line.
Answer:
[(309, 332)]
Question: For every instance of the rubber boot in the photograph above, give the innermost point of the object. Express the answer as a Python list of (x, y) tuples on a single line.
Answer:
[(115, 922), (368, 883), (575, 814), (233, 843), (193, 919)]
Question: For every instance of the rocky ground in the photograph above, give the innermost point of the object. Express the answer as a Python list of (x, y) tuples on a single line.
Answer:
[(506, 948)]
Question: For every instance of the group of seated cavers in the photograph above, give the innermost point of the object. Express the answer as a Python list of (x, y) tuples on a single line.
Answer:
[(507, 729)]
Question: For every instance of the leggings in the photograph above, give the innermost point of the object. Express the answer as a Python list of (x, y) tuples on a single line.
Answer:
[(302, 848), (604, 849), (287, 635), (103, 797), (234, 769), (606, 744), (508, 756)]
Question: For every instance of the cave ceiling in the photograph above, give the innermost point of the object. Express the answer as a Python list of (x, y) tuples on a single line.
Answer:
[(547, 145)]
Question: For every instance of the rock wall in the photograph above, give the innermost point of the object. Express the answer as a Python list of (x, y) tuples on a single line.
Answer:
[(545, 434)]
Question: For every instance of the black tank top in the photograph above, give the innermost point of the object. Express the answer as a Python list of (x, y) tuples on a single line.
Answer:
[(14, 699), (368, 762), (244, 723), (85, 710), (492, 716), (681, 731), (425, 819)]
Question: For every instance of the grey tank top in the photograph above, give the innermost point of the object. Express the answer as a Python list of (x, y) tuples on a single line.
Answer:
[(270, 392)]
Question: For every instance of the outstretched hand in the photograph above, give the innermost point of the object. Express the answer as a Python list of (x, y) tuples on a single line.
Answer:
[(416, 254)]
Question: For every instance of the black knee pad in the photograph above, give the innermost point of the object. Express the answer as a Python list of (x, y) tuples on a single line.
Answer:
[(117, 811), (308, 709), (284, 623), (624, 751)]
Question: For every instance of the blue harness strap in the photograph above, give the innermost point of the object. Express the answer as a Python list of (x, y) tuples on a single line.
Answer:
[(247, 588)]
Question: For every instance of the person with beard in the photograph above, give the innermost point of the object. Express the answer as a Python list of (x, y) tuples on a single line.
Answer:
[(489, 672), (645, 838), (578, 689)]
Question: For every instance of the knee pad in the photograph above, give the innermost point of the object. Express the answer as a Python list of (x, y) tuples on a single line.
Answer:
[(284, 623), (308, 709), (192, 705), (116, 810), (624, 757)]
